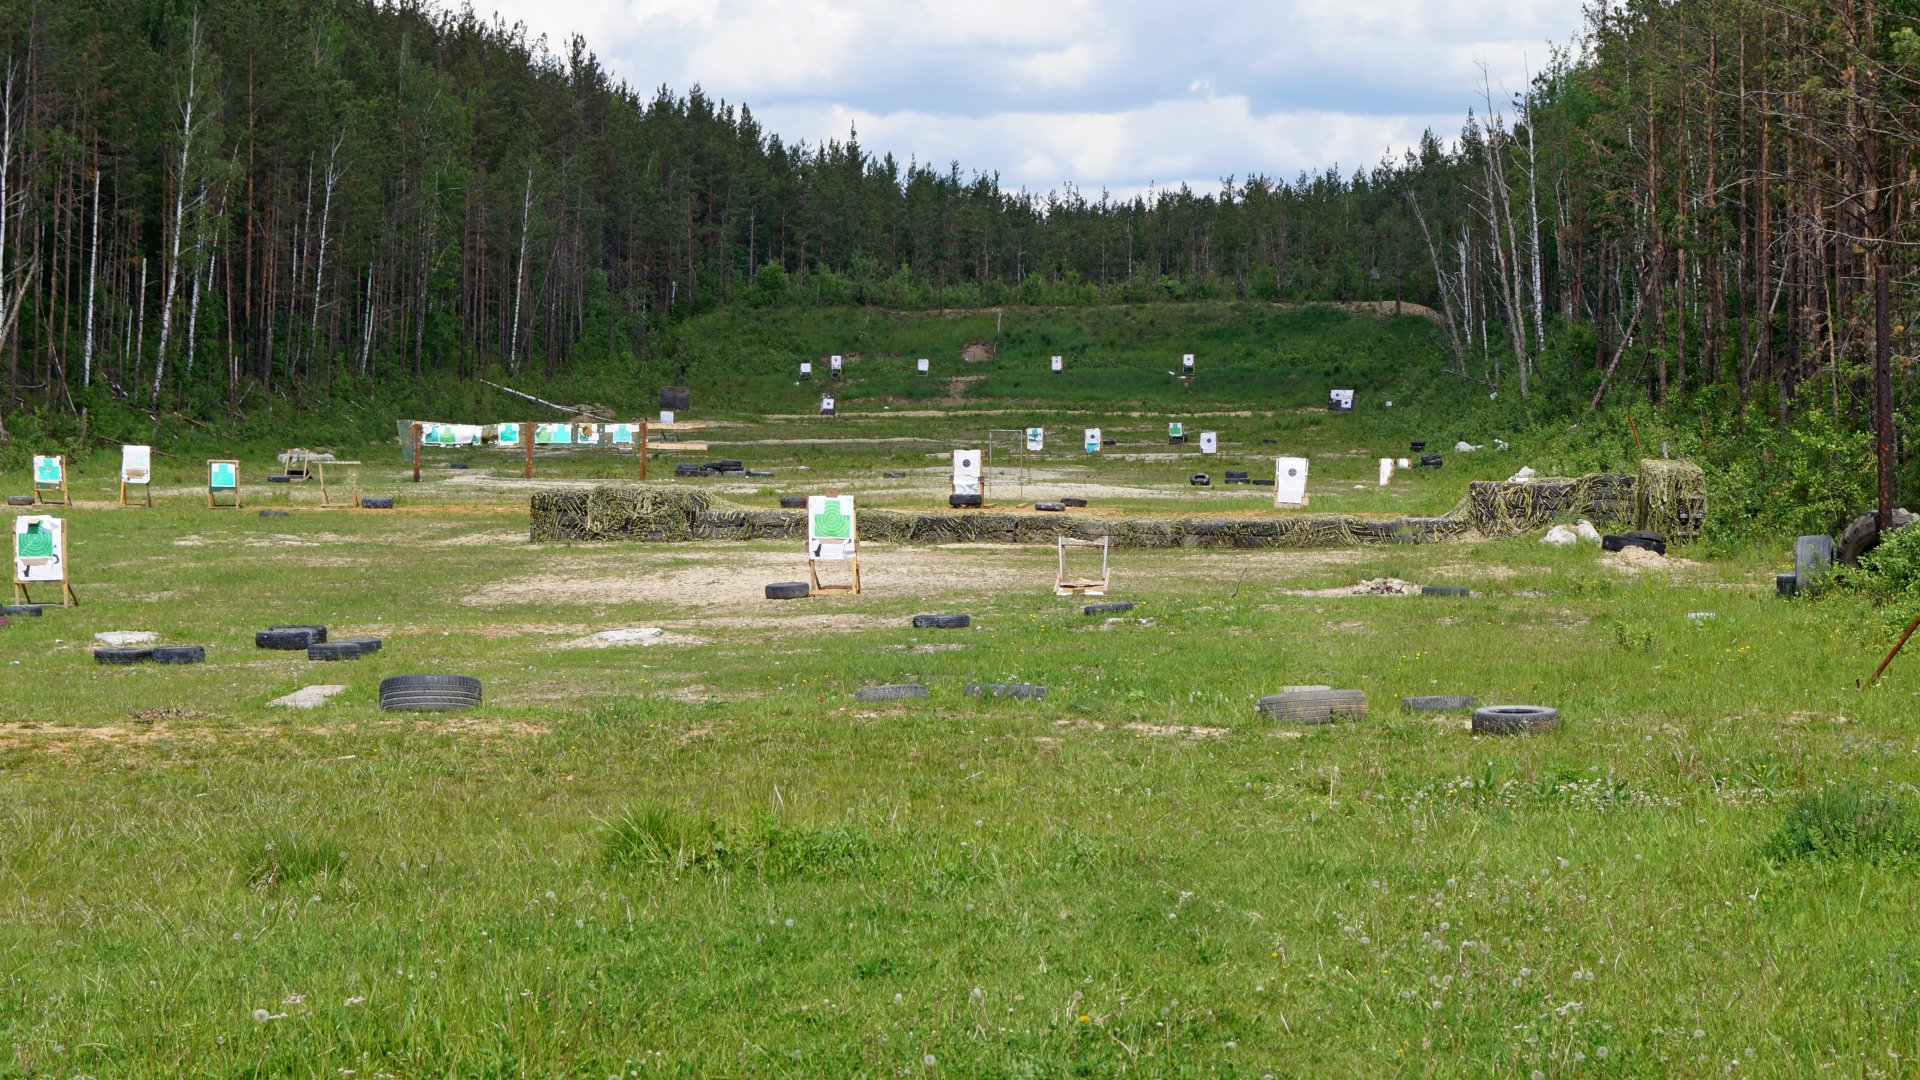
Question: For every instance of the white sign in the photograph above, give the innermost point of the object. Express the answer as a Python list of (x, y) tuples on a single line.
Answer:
[(834, 363), (223, 476), (1186, 362), (966, 472), (39, 549), (826, 404), (1093, 440), (1290, 481), (1056, 363), (1209, 442), (589, 434), (136, 464), (1340, 401), (48, 470), (508, 434), (1036, 440), (806, 370), (666, 416), (924, 365), (1386, 471), (831, 535), (621, 434), (1177, 432)]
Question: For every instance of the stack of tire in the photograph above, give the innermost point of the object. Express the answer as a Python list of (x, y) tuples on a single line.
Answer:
[(158, 654)]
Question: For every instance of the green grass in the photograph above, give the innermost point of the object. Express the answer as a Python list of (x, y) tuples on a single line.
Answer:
[(704, 858)]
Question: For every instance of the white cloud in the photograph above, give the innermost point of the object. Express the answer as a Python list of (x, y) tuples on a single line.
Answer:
[(1117, 94)]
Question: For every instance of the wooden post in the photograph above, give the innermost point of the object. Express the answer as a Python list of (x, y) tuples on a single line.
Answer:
[(643, 450), (526, 440)]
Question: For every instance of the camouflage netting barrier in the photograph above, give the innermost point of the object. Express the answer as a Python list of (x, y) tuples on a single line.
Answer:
[(1671, 499), (668, 513), (1508, 507)]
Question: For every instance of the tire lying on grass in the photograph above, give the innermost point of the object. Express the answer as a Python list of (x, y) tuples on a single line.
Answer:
[(1514, 719), (365, 644), (893, 475), (890, 692), (1444, 590), (1200, 479), (29, 610), (429, 693), (179, 654), (963, 500), (290, 637), (122, 656), (279, 478), (789, 590), (1107, 607), (1052, 506), (19, 500), (347, 649), (1653, 542), (1315, 706), (1439, 703), (274, 513), (793, 502), (1022, 691), (941, 622), (1073, 502), (376, 504)]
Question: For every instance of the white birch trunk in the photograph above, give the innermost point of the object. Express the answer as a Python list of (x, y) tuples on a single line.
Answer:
[(187, 128), (93, 277), (520, 274)]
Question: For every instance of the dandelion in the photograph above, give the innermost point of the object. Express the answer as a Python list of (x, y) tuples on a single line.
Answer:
[(789, 922), (1600, 1052), (1699, 1034), (261, 1016), (356, 1001), (927, 1061)]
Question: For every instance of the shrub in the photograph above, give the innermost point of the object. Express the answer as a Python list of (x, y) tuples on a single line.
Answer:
[(1846, 821), (288, 858)]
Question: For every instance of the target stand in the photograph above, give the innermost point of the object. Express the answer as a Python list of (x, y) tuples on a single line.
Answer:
[(1080, 586), (851, 588)]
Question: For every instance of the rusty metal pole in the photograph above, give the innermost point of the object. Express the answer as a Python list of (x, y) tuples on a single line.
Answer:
[(526, 440), (1883, 387), (416, 453), (643, 450)]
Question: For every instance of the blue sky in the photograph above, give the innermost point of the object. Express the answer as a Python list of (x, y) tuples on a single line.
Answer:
[(1120, 96)]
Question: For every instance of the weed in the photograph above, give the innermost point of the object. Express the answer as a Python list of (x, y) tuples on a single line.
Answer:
[(1846, 821), (668, 841), (288, 858)]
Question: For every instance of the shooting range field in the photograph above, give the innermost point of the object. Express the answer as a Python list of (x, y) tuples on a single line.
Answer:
[(698, 853)]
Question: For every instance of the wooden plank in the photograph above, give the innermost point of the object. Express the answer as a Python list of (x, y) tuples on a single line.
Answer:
[(660, 447)]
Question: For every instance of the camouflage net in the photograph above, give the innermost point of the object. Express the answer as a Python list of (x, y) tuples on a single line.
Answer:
[(670, 513), (1509, 508), (1671, 499)]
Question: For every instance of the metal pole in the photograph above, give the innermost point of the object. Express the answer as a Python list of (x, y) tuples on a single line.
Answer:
[(1883, 388), (643, 450), (526, 440), (416, 453)]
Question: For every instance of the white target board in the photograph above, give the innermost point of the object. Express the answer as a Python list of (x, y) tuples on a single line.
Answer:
[(831, 536), (666, 416), (136, 464), (966, 472), (925, 365), (1386, 471), (39, 549), (1036, 440), (1209, 442), (507, 434), (806, 370), (833, 362), (1186, 363), (1340, 401), (1093, 440), (1057, 363), (1290, 481), (826, 404)]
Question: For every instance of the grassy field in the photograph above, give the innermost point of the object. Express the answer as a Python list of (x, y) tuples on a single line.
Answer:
[(703, 857)]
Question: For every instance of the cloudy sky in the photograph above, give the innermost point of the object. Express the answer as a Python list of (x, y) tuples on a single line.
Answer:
[(1114, 95)]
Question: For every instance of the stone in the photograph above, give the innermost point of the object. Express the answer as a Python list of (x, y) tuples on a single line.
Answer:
[(120, 639), (307, 697)]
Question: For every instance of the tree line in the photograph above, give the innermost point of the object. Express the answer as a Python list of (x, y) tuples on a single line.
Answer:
[(204, 202)]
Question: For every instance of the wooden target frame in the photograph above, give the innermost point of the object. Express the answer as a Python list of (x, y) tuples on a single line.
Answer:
[(213, 502), (1066, 586), (68, 598), (43, 492)]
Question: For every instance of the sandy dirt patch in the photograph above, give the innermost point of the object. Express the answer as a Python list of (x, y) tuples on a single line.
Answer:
[(1638, 560)]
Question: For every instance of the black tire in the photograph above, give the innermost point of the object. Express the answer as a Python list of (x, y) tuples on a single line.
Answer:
[(1107, 607), (1444, 590), (31, 611), (1022, 691), (895, 475), (122, 656), (179, 654), (1073, 502), (335, 650), (376, 504), (19, 500), (1514, 719), (1315, 706), (890, 692), (1863, 534), (1626, 540), (759, 473), (289, 638), (789, 590), (279, 478), (1786, 584), (727, 465), (1418, 445), (963, 500), (941, 622), (1050, 506), (793, 502), (319, 631), (458, 465), (1200, 479), (1439, 703), (429, 693), (1431, 461), (1238, 474), (274, 513), (365, 644)]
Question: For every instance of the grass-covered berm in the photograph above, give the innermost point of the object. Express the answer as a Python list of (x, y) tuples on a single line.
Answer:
[(699, 855)]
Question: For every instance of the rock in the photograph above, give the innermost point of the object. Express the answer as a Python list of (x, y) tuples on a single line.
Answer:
[(121, 638), (307, 697), (1501, 444), (1586, 531), (1560, 536), (1525, 474), (633, 635), (1465, 447)]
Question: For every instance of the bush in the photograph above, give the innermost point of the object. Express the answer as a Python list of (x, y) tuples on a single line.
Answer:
[(288, 858), (1891, 571), (1846, 821), (666, 841)]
